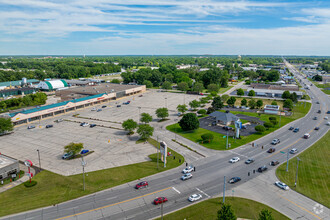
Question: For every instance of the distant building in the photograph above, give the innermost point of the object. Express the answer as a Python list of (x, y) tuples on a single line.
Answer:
[(289, 87), (52, 85), (8, 167), (274, 93), (224, 118), (13, 92), (18, 83), (272, 109)]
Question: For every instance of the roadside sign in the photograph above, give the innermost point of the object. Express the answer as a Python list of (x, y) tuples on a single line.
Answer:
[(224, 136), (282, 152)]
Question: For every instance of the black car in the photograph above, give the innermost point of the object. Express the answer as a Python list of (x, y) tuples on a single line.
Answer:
[(296, 130), (271, 150), (319, 111), (49, 126), (234, 180), (317, 128), (291, 128), (104, 106), (315, 118), (262, 169), (118, 106), (92, 125), (274, 163)]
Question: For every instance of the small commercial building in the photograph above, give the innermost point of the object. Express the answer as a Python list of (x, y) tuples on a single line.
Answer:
[(224, 118), (274, 93), (8, 167), (52, 85), (272, 109)]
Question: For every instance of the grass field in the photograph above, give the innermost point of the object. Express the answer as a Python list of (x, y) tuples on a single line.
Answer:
[(53, 188), (313, 174), (243, 208), (219, 143), (265, 101)]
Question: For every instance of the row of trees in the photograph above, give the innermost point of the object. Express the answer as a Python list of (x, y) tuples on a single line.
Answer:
[(38, 98), (227, 213)]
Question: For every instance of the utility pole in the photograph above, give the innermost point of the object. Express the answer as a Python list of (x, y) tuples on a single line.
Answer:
[(83, 164), (158, 153), (287, 162), (39, 160), (295, 183), (227, 141), (139, 115), (224, 189), (280, 118)]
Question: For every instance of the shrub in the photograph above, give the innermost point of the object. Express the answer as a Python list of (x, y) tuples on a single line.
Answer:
[(207, 137), (274, 103), (202, 112), (189, 122), (260, 128), (28, 184), (210, 110), (268, 124), (214, 93), (271, 118)]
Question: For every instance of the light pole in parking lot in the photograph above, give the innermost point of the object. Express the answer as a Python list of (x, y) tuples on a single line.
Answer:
[(83, 164), (165, 102), (295, 183), (139, 114), (39, 160)]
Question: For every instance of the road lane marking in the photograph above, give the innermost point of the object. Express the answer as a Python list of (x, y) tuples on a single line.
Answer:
[(300, 207), (176, 190), (203, 192), (107, 206)]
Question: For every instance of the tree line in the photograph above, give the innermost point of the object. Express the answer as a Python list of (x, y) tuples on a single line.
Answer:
[(38, 98)]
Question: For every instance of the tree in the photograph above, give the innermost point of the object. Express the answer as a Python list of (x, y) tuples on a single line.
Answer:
[(286, 95), (265, 215), (189, 122), (198, 87), (251, 93), (214, 93), (252, 104), (288, 104), (182, 108), (317, 78), (268, 124), (115, 81), (202, 112), (217, 103), (240, 92), (224, 97), (210, 110), (194, 104), (183, 86), (129, 125), (162, 113), (74, 148), (148, 83), (259, 103), (260, 128), (213, 88), (274, 103), (243, 102), (294, 97), (166, 85), (231, 101), (207, 137), (5, 125), (145, 131), (146, 118), (226, 213)]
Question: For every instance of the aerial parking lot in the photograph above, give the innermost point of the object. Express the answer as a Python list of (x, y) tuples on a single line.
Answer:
[(111, 146)]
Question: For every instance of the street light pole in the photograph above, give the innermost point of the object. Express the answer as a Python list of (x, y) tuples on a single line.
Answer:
[(83, 164), (224, 189), (166, 102), (139, 114), (39, 160), (287, 162), (158, 153), (227, 141), (295, 183)]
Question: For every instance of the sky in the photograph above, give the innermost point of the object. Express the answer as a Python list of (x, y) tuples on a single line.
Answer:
[(164, 27)]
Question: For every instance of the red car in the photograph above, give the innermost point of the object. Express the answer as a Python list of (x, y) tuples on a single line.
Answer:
[(160, 200), (142, 184)]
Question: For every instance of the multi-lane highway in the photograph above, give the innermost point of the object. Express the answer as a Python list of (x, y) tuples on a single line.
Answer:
[(125, 202)]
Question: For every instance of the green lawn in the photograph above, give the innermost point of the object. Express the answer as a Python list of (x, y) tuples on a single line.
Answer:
[(223, 90), (313, 174), (53, 188), (243, 208), (219, 142)]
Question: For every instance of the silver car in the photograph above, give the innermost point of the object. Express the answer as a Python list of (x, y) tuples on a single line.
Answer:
[(194, 197), (186, 176), (281, 185)]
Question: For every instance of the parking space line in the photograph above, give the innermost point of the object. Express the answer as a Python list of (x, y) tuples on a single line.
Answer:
[(107, 206), (203, 193), (176, 190)]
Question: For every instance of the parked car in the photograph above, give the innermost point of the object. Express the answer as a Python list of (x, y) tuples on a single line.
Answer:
[(275, 141), (104, 106), (271, 150), (179, 113), (293, 151), (291, 128), (59, 120), (328, 123), (281, 185), (296, 130), (85, 151), (31, 126), (160, 200), (118, 106), (262, 169), (49, 126), (186, 176), (315, 118), (92, 125), (142, 184), (274, 163), (328, 112), (99, 110), (306, 136), (248, 161), (326, 118), (317, 128), (84, 124), (188, 169), (234, 160), (67, 155), (93, 109), (194, 197), (234, 180), (140, 95)]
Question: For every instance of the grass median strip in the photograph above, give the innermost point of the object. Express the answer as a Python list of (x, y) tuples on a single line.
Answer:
[(53, 188), (313, 174), (243, 208)]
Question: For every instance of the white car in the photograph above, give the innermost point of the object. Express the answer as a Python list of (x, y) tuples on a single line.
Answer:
[(94, 109), (281, 185), (186, 176), (188, 169), (293, 151), (85, 124), (234, 160), (326, 118), (194, 197)]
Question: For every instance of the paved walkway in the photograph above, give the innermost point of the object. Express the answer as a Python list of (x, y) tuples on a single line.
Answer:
[(238, 85)]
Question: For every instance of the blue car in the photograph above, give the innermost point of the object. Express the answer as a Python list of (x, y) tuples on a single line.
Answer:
[(84, 151)]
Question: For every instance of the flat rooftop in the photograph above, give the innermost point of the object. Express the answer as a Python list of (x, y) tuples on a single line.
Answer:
[(6, 161)]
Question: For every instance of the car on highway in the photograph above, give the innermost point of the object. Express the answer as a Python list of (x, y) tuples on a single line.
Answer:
[(92, 125), (274, 163), (31, 127), (317, 128), (67, 156), (234, 180), (275, 141), (291, 128), (188, 169), (317, 102), (315, 118), (194, 197), (328, 123), (281, 185), (186, 176), (160, 200), (306, 136), (250, 160), (319, 111), (293, 151), (262, 169), (328, 112), (142, 184), (234, 160), (296, 130), (271, 150), (49, 126)]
